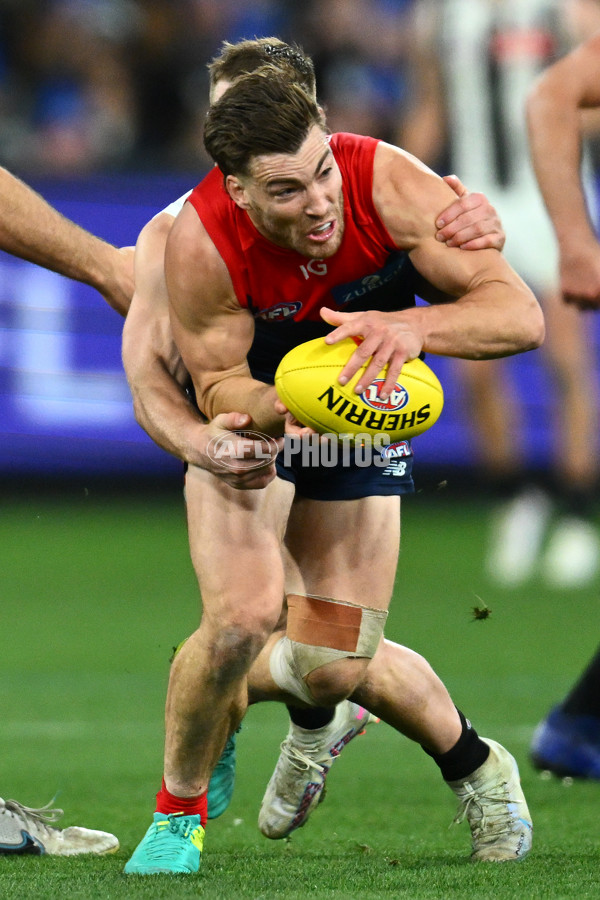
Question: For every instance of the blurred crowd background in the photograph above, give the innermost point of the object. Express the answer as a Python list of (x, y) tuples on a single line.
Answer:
[(102, 105), (119, 85)]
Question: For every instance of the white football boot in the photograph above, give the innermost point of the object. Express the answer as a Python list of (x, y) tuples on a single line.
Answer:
[(493, 803), (26, 830), (297, 784), (518, 530), (572, 558)]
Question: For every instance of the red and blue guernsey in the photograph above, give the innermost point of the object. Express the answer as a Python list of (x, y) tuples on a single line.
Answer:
[(284, 290)]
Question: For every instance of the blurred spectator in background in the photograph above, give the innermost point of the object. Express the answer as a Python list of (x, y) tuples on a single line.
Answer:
[(97, 85), (474, 61), (360, 52), (68, 104)]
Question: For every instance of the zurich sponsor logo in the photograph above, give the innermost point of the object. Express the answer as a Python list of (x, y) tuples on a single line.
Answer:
[(364, 286), (371, 282), (280, 311), (397, 400)]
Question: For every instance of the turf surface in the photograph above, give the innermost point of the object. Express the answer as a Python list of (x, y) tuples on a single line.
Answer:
[(95, 591)]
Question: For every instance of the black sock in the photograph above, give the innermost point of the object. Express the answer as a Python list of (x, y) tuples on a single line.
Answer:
[(584, 698), (468, 754), (312, 717)]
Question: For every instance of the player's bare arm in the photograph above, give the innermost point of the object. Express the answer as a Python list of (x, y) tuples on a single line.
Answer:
[(213, 332), (152, 362), (157, 378), (554, 109), (494, 314), (33, 230)]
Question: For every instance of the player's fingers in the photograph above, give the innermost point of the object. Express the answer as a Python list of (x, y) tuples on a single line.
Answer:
[(488, 242), (344, 324), (246, 451), (456, 184), (473, 237), (456, 209), (254, 459), (371, 372), (256, 450), (467, 227), (232, 421), (253, 481), (393, 374), (465, 212), (380, 358), (361, 357)]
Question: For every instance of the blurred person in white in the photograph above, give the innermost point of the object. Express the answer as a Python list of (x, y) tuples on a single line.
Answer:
[(474, 63), (567, 742)]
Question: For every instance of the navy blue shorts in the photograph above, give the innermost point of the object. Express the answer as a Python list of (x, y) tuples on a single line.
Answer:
[(343, 474)]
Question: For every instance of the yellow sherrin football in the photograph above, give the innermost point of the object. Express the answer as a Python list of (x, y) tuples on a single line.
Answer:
[(307, 382)]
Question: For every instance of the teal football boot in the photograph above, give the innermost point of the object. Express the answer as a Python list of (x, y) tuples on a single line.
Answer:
[(220, 788), (172, 844)]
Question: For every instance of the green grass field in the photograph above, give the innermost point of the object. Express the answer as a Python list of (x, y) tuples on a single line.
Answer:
[(95, 591)]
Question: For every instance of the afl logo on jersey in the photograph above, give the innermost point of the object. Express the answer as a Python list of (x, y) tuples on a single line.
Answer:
[(280, 312), (397, 400)]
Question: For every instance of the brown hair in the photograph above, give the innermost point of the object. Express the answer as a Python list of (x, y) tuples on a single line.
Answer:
[(263, 112), (247, 56)]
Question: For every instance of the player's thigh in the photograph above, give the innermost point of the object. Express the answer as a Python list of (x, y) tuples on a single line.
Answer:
[(345, 549), (236, 543)]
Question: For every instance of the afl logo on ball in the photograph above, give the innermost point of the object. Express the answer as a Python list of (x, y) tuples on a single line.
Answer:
[(397, 400)]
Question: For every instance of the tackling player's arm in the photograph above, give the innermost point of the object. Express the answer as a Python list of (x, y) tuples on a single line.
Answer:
[(554, 109), (494, 313), (153, 364), (158, 377), (33, 230), (213, 332)]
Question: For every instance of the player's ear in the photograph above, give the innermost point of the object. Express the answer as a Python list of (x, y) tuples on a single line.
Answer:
[(237, 192)]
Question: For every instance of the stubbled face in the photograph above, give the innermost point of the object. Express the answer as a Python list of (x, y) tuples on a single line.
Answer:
[(295, 200)]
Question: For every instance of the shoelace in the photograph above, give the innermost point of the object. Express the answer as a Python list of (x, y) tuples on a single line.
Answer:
[(300, 760), (175, 823), (158, 848), (490, 826), (43, 817)]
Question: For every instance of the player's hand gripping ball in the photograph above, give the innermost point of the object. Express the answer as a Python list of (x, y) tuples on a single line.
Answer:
[(306, 381)]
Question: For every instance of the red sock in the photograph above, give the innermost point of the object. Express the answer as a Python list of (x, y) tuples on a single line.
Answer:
[(169, 804)]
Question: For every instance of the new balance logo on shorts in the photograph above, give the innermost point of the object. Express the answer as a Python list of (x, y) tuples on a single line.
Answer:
[(396, 468)]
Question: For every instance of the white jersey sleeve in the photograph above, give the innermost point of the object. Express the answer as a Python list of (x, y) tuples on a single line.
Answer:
[(174, 208)]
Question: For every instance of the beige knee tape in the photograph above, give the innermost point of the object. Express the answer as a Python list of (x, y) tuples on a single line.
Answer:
[(284, 672), (319, 631)]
